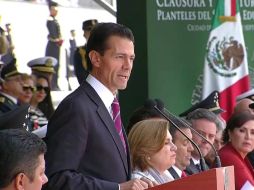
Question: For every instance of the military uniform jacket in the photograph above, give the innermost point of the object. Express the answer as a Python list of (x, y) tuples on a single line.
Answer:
[(53, 29), (6, 104), (80, 64), (54, 38)]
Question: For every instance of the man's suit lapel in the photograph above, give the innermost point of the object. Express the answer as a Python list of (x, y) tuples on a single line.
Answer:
[(173, 173), (109, 124)]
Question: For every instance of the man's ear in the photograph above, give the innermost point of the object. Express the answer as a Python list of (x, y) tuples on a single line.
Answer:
[(19, 181), (4, 85), (95, 58)]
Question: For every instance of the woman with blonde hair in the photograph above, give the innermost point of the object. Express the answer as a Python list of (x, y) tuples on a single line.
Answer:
[(152, 151)]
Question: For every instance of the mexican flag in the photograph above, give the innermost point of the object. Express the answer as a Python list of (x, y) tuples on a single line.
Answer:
[(226, 66)]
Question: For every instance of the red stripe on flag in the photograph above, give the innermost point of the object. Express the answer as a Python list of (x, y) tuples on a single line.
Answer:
[(233, 7), (228, 96)]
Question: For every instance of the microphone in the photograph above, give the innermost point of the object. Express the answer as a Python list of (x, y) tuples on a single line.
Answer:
[(172, 120), (187, 124)]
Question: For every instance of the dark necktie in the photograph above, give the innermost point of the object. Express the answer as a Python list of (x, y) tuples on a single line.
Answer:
[(198, 167), (117, 120)]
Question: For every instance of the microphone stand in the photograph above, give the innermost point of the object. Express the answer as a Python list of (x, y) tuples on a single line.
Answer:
[(202, 160)]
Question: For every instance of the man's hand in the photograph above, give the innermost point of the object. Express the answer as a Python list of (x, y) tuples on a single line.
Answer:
[(137, 184)]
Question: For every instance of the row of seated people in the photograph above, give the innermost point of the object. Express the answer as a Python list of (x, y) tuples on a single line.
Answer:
[(233, 142), (20, 89), (160, 153)]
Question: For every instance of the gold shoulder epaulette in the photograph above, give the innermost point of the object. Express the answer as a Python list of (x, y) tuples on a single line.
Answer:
[(2, 99)]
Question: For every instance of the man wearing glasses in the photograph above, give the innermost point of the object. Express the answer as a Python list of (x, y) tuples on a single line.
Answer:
[(11, 87)]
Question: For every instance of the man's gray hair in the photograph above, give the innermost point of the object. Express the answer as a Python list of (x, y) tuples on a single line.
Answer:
[(201, 113)]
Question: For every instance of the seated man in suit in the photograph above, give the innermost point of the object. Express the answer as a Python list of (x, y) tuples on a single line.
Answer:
[(22, 162), (11, 87), (183, 152), (204, 122), (218, 143)]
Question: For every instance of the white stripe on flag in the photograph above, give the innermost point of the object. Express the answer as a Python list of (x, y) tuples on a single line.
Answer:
[(227, 7)]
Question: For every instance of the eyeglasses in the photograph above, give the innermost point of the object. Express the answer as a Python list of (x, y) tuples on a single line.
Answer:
[(26, 88), (40, 88)]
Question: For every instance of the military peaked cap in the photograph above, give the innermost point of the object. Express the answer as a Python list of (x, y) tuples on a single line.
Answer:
[(89, 24), (43, 64), (9, 70), (211, 103)]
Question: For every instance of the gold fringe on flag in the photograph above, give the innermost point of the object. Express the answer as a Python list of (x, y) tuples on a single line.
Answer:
[(227, 18)]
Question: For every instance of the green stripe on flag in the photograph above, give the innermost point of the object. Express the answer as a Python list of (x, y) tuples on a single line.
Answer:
[(219, 12)]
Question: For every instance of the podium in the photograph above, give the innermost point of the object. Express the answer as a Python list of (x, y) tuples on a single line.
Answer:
[(214, 179)]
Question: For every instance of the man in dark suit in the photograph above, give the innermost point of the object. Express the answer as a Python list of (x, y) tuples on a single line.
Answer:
[(183, 152), (11, 87), (85, 151), (205, 122)]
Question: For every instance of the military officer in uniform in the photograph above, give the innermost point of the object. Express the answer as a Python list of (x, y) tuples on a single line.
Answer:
[(55, 40), (11, 87), (9, 56), (43, 66), (81, 68), (3, 45)]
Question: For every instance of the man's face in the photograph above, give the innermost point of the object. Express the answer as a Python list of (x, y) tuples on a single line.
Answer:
[(53, 10), (208, 130), (86, 34), (113, 68), (218, 143), (13, 86), (28, 90), (39, 177), (184, 148)]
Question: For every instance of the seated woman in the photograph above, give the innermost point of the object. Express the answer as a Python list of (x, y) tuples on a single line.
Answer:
[(41, 104), (152, 151), (239, 141)]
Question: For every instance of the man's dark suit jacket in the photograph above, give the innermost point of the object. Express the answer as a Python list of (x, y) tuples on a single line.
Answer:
[(191, 169), (84, 148)]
